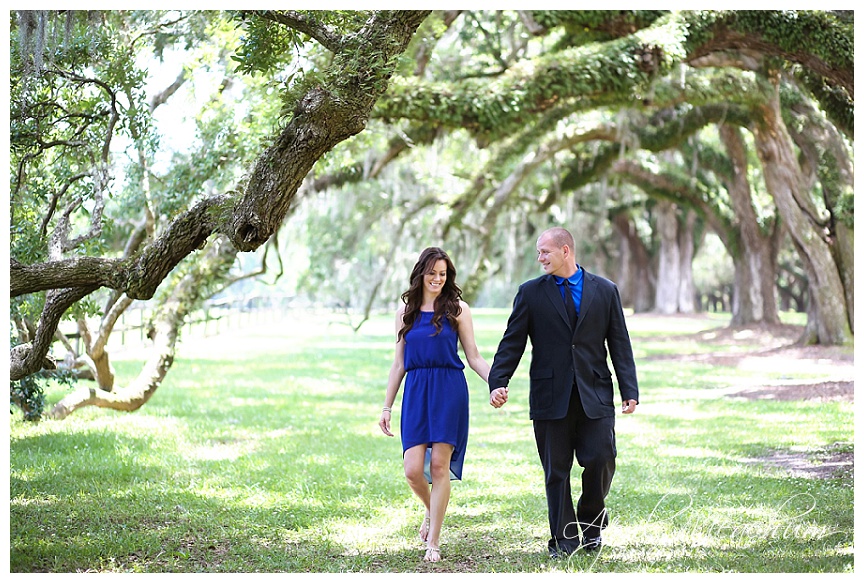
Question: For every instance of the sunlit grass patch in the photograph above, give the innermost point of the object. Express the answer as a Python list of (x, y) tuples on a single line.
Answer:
[(261, 453)]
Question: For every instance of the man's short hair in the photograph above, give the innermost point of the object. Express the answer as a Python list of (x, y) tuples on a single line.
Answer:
[(561, 236)]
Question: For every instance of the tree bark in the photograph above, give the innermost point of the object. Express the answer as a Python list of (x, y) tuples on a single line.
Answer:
[(783, 178), (754, 298), (829, 163)]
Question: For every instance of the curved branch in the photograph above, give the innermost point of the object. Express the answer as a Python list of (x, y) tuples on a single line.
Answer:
[(327, 36), (166, 325), (328, 114), (726, 39), (325, 116), (43, 230), (115, 115), (109, 320), (26, 359), (669, 188), (166, 93)]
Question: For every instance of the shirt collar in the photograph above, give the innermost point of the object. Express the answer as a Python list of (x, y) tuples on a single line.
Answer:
[(573, 279)]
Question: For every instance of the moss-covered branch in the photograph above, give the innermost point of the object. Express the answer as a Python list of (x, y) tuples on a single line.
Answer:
[(629, 69)]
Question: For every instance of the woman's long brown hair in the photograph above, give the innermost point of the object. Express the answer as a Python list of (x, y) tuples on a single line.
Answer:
[(446, 304)]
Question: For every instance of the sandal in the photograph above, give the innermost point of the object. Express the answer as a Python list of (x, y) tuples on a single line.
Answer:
[(424, 529), (433, 555)]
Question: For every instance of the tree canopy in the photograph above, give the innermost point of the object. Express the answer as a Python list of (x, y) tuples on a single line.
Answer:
[(642, 130)]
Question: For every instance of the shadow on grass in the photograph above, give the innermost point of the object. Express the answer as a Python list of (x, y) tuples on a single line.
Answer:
[(273, 463), (93, 496)]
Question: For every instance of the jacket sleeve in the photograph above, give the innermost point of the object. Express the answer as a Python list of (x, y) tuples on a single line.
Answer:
[(512, 344), (621, 351)]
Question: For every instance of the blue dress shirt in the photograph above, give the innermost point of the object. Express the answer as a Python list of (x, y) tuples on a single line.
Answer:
[(575, 286)]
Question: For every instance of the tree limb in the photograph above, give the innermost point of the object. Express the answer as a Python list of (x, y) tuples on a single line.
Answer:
[(328, 114), (325, 116), (305, 23), (25, 359), (166, 93)]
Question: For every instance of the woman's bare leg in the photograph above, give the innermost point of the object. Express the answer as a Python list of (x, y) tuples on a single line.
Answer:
[(413, 462), (439, 497)]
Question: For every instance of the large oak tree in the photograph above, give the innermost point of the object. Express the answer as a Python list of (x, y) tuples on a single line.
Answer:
[(325, 109), (781, 81)]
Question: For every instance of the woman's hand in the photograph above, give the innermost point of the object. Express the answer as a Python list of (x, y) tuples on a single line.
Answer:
[(498, 397), (384, 423)]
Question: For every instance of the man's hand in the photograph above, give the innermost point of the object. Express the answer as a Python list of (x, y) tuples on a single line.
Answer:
[(629, 406), (498, 397)]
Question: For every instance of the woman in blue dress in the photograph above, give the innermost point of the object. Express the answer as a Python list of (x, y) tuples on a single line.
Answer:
[(435, 400)]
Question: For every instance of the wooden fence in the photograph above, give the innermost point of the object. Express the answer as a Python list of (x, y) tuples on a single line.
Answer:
[(213, 319)]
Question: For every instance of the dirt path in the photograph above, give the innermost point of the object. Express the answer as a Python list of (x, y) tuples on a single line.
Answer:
[(780, 364), (772, 352)]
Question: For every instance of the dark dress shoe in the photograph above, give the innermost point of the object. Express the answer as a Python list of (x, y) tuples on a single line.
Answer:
[(560, 552), (592, 544)]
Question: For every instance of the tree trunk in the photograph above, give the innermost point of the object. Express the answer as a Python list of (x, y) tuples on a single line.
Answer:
[(830, 313), (675, 290), (828, 160), (636, 278), (754, 298), (844, 254), (687, 246)]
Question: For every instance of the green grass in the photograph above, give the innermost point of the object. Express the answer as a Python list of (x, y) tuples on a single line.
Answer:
[(261, 453)]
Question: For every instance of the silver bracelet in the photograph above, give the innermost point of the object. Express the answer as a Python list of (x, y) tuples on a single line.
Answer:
[(388, 409)]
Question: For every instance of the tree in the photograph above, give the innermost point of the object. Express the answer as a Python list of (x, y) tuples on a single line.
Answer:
[(323, 110), (682, 72), (672, 104), (656, 59)]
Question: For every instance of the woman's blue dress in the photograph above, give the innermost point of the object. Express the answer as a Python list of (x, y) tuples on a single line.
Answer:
[(435, 402)]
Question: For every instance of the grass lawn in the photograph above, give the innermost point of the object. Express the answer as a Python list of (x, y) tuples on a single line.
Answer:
[(261, 453)]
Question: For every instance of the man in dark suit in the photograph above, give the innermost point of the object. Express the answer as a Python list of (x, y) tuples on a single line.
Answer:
[(571, 317)]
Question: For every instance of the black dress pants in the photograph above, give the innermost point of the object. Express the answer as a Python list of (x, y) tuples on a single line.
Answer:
[(593, 443)]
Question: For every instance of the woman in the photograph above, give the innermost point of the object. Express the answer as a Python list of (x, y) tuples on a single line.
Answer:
[(435, 402)]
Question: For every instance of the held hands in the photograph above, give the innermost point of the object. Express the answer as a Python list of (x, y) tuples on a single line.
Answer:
[(498, 397), (629, 406)]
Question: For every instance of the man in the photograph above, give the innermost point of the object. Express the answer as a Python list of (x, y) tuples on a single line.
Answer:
[(571, 399)]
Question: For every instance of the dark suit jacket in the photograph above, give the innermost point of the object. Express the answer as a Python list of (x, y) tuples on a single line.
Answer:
[(559, 353)]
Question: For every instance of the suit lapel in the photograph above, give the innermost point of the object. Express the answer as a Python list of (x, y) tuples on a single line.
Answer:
[(554, 295), (589, 286)]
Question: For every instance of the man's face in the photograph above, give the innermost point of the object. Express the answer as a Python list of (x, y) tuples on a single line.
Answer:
[(551, 257)]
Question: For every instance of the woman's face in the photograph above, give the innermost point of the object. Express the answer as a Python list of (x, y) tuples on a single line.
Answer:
[(433, 280)]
